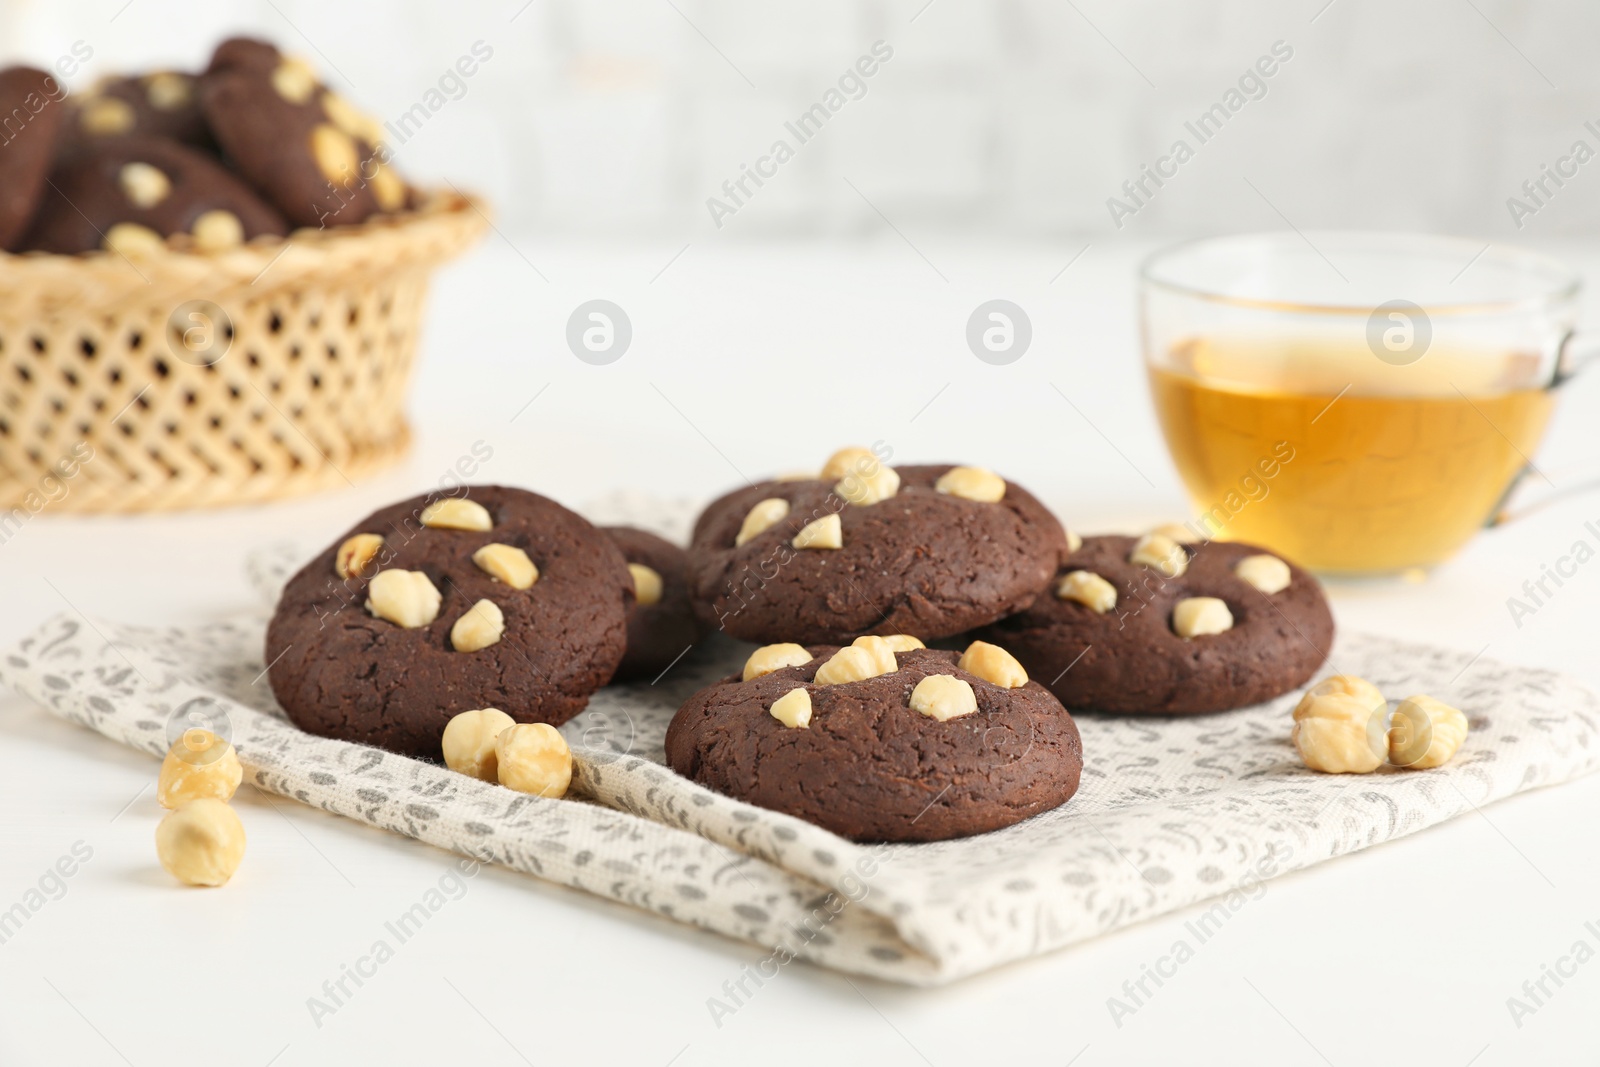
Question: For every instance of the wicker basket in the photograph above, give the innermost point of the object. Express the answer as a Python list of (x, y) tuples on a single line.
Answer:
[(180, 380)]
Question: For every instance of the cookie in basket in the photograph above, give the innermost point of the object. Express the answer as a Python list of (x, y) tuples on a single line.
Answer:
[(493, 597), (662, 625), (132, 193), (883, 740), (31, 102), (865, 548), (1149, 625), (310, 152), (163, 103)]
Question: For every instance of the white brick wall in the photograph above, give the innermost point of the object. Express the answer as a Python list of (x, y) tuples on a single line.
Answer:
[(1011, 117)]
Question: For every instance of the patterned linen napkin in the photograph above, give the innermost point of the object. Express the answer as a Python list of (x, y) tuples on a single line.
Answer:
[(1171, 811)]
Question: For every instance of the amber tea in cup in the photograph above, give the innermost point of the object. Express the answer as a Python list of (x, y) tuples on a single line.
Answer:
[(1358, 402)]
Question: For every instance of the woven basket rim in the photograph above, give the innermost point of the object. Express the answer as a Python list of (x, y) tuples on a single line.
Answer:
[(283, 419), (446, 223)]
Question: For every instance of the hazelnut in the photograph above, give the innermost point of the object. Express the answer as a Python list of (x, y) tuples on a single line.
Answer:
[(865, 487), (456, 513), (793, 709), (826, 532), (405, 598), (167, 90), (1339, 733), (1344, 685), (355, 556), (482, 625), (944, 697), (846, 461), (993, 664), (217, 230), (201, 843), (853, 664), (131, 239), (144, 186), (468, 742), (199, 764), (351, 119), (534, 758), (107, 117), (507, 564), (387, 188), (294, 80), (762, 517), (1200, 616), (1074, 542), (972, 483), (1162, 553), (1267, 573), (1088, 589), (1178, 532), (1349, 685), (796, 476), (336, 154), (646, 584), (1425, 733), (902, 642), (881, 651), (769, 658)]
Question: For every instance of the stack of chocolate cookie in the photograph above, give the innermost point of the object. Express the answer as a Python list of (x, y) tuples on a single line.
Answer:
[(844, 716), (253, 146)]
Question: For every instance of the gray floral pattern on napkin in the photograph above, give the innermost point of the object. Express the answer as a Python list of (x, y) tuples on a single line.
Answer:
[(1172, 811)]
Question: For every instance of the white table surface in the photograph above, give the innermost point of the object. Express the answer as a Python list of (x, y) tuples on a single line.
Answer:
[(764, 358)]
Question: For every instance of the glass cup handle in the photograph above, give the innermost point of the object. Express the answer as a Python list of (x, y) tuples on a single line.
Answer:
[(1580, 349)]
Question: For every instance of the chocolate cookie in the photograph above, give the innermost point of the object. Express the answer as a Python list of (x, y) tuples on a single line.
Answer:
[(493, 597), (870, 549), (32, 109), (164, 103), (132, 192), (309, 151), (877, 744), (661, 624), (1108, 635)]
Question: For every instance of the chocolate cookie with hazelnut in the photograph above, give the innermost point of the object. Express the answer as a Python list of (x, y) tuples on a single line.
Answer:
[(883, 740), (1152, 625), (163, 103), (866, 548), (310, 152), (132, 193), (490, 598), (662, 624), (32, 105)]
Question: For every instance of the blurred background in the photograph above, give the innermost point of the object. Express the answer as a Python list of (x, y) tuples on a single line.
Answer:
[(993, 117), (831, 305)]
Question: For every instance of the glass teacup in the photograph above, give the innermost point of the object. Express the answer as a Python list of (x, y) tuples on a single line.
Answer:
[(1360, 402)]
